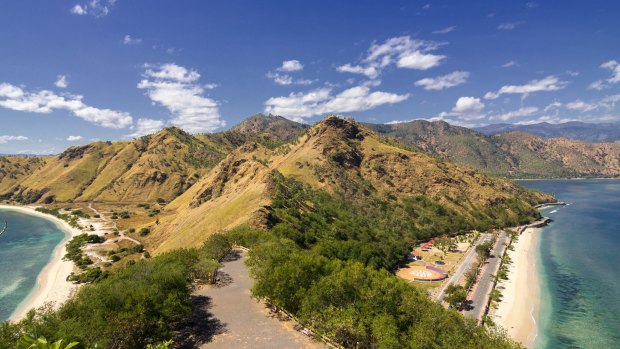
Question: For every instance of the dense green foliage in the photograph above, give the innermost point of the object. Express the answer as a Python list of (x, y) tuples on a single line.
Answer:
[(131, 308), (326, 260)]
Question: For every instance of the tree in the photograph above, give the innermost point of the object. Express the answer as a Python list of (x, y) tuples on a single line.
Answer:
[(455, 295), (484, 251), (29, 342)]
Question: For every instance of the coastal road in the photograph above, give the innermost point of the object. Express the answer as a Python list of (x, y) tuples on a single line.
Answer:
[(245, 322), (482, 291), (463, 267)]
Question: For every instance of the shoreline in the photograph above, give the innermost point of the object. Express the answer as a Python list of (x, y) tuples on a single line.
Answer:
[(518, 311), (51, 285)]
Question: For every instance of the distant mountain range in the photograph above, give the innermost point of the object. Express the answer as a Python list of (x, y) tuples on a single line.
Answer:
[(604, 132)]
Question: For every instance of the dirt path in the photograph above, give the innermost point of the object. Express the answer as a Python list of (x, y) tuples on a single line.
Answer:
[(243, 322)]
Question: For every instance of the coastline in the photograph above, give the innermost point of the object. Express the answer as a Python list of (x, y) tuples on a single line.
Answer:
[(51, 285), (518, 311)]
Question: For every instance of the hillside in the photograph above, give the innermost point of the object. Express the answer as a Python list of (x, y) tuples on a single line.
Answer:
[(14, 169), (345, 159), (591, 132), (161, 165), (518, 155)]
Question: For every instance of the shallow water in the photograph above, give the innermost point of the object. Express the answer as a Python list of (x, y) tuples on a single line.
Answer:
[(25, 248), (579, 256)]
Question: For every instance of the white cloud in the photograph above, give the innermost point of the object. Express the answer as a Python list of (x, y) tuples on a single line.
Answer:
[(549, 83), (552, 119), (401, 51), (509, 25), (291, 66), (510, 64), (581, 106), (297, 106), (147, 126), (523, 111), (128, 40), (445, 30), (285, 79), (79, 10), (45, 102), (445, 81), (281, 76), (176, 88), (74, 138), (5, 139), (554, 105), (97, 8), (612, 65), (468, 105), (61, 81), (572, 73), (369, 71), (598, 85)]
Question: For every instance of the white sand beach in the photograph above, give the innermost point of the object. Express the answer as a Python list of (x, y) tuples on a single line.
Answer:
[(518, 311), (52, 285)]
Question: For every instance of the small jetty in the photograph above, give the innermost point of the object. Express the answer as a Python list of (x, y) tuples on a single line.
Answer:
[(545, 204)]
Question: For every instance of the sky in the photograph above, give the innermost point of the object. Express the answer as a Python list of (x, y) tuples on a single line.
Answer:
[(78, 71)]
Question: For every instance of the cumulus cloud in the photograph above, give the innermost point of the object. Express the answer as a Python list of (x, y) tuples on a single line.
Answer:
[(176, 88), (605, 103), (129, 40), (61, 81), (282, 76), (5, 139), (445, 81), (74, 138), (45, 102), (297, 106), (612, 65), (147, 126), (402, 51), (291, 66), (445, 30), (97, 8), (549, 83), (521, 112), (465, 110)]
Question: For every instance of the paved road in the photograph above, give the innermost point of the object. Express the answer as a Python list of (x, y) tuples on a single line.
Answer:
[(243, 322), (480, 298), (463, 267)]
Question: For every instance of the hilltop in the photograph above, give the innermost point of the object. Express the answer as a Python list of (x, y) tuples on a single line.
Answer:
[(583, 131), (343, 158), (511, 154)]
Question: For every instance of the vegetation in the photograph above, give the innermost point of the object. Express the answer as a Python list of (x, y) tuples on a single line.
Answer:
[(133, 307), (455, 296), (326, 260)]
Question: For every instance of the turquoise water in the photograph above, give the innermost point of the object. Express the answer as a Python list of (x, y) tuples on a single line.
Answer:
[(25, 248), (579, 260)]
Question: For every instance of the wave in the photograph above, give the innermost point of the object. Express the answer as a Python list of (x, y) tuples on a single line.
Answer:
[(7, 290)]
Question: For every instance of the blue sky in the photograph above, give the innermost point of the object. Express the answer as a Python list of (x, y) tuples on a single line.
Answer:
[(76, 71)]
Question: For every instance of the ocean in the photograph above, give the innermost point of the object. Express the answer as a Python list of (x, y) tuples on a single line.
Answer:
[(25, 248), (579, 260)]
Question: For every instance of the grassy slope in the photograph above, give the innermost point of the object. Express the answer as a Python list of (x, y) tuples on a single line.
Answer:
[(334, 155)]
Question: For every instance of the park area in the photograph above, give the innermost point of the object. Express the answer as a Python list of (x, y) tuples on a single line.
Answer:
[(431, 262)]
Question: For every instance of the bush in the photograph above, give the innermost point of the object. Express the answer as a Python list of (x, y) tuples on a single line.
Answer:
[(145, 231)]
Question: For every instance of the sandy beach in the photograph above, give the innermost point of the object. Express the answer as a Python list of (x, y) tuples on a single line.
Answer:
[(518, 310), (52, 285)]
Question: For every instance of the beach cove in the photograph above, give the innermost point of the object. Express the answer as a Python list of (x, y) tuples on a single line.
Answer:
[(563, 282), (34, 240)]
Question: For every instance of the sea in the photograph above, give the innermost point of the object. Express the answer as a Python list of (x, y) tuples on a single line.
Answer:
[(26, 247), (579, 265)]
